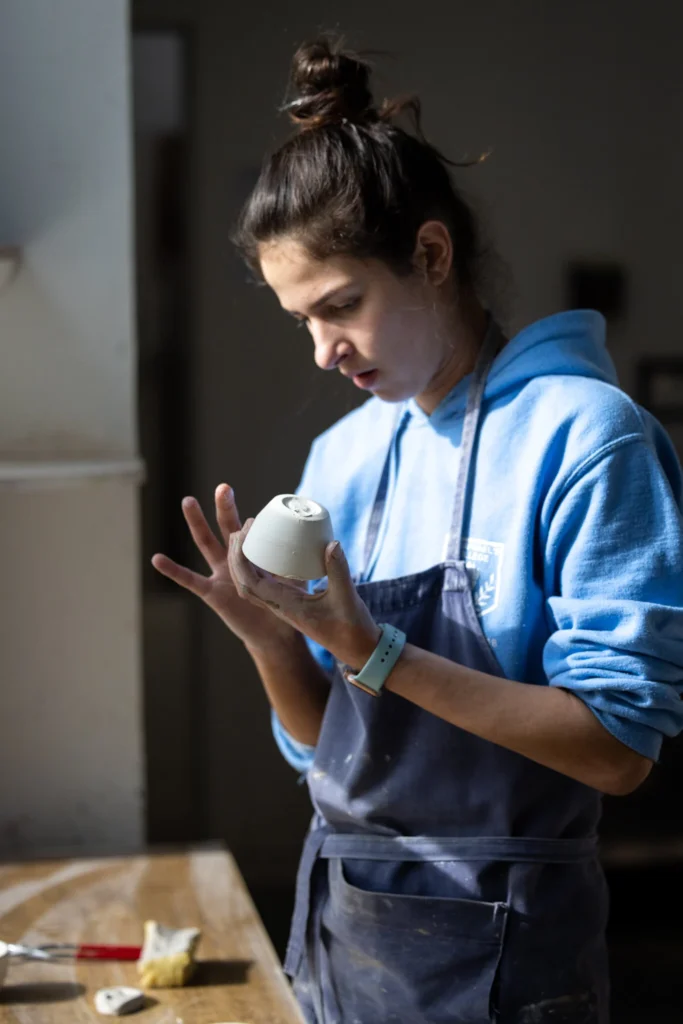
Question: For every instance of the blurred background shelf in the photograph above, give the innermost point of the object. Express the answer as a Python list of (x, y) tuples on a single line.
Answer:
[(642, 853), (40, 473)]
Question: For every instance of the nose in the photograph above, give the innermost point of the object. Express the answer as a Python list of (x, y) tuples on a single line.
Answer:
[(329, 343)]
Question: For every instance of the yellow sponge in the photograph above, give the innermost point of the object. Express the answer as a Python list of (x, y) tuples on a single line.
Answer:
[(167, 957)]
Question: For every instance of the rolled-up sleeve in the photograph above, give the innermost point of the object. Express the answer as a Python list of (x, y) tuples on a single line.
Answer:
[(614, 586), (299, 755)]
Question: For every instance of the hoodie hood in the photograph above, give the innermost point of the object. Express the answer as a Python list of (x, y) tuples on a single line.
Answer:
[(567, 344)]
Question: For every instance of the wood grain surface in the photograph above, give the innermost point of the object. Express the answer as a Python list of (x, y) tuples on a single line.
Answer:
[(238, 978)]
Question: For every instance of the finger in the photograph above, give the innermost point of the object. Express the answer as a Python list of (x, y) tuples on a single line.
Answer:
[(202, 534), (335, 561), (338, 572), (245, 575), (192, 581), (227, 515)]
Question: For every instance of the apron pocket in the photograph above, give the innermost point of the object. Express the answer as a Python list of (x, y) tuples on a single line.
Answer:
[(396, 957)]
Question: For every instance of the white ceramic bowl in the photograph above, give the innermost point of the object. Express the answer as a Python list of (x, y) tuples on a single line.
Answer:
[(289, 536), (4, 962)]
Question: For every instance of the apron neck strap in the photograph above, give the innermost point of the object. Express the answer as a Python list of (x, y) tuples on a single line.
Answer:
[(376, 516), (487, 353), (493, 340)]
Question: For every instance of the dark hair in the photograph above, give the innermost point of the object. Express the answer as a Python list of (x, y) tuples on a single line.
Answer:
[(351, 181)]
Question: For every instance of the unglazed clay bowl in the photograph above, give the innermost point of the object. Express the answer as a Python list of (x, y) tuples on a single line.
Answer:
[(289, 536)]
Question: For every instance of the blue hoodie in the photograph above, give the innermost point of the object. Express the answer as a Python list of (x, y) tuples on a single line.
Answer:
[(573, 531)]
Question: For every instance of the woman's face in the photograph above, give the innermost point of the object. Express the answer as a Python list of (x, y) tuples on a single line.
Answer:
[(379, 330)]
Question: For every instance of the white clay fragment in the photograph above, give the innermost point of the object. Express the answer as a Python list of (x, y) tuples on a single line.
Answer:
[(114, 1002)]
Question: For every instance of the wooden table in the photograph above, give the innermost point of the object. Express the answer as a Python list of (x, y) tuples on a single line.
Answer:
[(107, 900)]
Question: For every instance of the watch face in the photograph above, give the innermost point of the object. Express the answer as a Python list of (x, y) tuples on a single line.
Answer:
[(361, 686)]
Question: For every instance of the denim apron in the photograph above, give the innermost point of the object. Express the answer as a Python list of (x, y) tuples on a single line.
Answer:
[(444, 878)]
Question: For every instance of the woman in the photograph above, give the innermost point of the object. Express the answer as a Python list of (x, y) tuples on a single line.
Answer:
[(507, 583)]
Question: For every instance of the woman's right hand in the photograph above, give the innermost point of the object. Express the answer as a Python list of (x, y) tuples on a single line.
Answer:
[(258, 628)]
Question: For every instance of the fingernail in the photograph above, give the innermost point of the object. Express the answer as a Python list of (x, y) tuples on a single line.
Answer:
[(336, 550), (228, 496), (188, 502)]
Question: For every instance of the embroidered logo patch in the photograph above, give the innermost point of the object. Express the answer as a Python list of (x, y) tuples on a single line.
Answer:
[(484, 561)]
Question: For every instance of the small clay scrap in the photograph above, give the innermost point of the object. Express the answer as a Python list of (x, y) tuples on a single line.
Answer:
[(114, 1002)]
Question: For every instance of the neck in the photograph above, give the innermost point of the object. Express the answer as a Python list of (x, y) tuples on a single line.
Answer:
[(463, 340)]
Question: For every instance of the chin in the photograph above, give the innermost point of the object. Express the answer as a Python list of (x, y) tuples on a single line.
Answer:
[(389, 395), (389, 390), (396, 394)]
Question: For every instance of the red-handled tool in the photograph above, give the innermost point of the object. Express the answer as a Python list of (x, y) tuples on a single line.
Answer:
[(86, 952), (65, 951)]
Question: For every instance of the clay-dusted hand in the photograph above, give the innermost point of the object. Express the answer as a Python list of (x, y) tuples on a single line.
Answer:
[(257, 627), (336, 618)]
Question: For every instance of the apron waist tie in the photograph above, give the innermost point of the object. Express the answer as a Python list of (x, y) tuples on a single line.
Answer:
[(362, 846), (300, 921)]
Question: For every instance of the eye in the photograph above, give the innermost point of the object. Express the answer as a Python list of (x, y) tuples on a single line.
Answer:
[(346, 307)]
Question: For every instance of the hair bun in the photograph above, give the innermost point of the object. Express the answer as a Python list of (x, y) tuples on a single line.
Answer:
[(330, 85)]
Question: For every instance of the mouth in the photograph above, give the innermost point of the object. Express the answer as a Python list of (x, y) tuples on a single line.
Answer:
[(366, 379)]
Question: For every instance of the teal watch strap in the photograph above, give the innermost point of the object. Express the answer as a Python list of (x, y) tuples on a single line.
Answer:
[(373, 675)]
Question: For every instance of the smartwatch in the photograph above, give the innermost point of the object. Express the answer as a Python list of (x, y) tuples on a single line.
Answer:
[(374, 673)]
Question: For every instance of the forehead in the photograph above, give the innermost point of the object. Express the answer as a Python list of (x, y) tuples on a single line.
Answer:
[(298, 279)]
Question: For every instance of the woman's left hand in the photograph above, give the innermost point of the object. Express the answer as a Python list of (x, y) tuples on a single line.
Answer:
[(335, 618)]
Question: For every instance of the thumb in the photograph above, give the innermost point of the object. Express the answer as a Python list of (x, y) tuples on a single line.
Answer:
[(338, 572)]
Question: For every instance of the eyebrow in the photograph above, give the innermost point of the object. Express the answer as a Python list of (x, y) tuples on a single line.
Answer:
[(324, 298)]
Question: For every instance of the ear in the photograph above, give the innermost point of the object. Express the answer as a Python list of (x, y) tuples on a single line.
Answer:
[(433, 255)]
